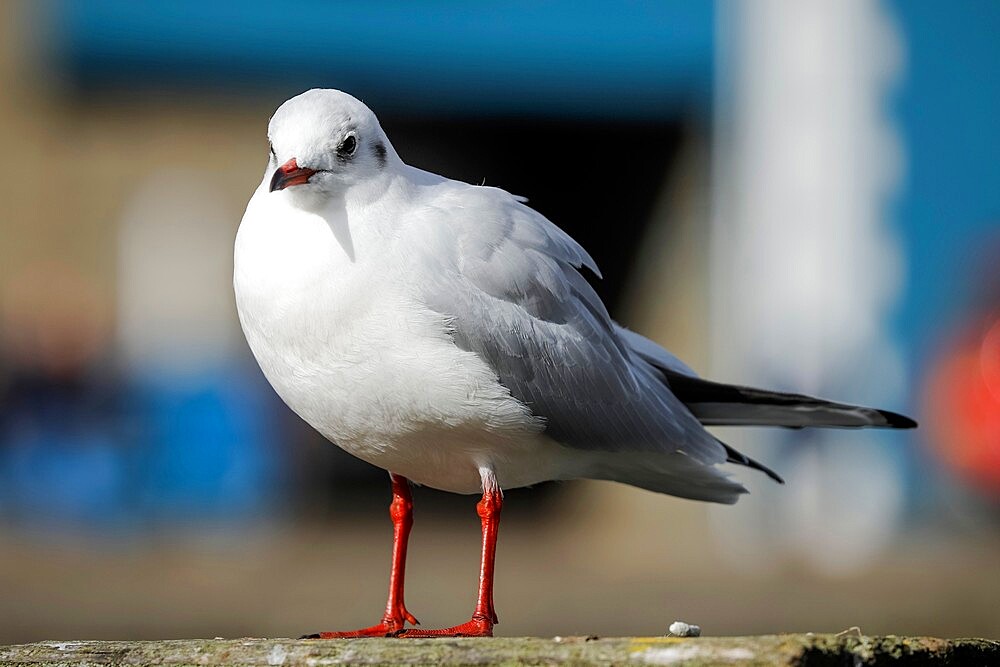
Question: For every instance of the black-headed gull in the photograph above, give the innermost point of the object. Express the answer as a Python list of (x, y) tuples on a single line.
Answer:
[(443, 331)]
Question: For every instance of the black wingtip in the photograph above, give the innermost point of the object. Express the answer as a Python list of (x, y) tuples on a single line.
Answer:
[(896, 420), (770, 473), (734, 456)]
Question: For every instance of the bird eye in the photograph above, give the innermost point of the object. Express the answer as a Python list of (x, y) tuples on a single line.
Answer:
[(271, 148), (347, 146)]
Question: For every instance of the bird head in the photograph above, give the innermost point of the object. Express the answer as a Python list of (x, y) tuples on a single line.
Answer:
[(323, 142)]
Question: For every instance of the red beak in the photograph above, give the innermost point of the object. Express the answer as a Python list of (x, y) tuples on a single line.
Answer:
[(290, 173)]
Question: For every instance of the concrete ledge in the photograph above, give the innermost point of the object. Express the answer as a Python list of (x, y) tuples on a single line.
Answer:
[(765, 650)]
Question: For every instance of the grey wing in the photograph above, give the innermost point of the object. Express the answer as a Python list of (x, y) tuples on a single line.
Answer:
[(514, 296), (652, 353)]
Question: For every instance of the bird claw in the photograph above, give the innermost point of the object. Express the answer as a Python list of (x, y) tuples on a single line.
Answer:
[(477, 627), (380, 630), (389, 627)]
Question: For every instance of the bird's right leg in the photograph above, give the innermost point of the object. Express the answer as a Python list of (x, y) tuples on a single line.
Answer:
[(396, 615)]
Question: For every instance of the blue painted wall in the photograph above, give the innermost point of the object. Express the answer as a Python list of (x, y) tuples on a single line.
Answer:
[(585, 57), (948, 111)]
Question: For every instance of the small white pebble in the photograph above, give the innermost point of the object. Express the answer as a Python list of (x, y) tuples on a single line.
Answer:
[(682, 629)]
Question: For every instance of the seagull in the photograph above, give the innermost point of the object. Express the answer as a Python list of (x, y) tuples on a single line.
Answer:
[(445, 332)]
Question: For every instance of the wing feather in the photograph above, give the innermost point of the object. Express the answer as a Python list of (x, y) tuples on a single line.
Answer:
[(511, 288)]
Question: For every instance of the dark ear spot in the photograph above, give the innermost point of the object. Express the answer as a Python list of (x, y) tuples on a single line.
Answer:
[(380, 153)]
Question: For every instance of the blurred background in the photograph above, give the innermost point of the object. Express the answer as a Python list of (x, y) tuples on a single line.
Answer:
[(802, 195)]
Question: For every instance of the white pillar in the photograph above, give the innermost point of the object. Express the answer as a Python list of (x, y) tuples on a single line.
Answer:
[(805, 266)]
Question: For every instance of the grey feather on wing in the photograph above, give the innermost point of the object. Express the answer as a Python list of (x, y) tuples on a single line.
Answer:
[(517, 299), (653, 353)]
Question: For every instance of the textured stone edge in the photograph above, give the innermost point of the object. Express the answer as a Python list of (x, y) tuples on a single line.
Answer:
[(800, 649)]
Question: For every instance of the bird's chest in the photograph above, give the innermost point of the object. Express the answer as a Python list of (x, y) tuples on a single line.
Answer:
[(340, 350), (355, 354)]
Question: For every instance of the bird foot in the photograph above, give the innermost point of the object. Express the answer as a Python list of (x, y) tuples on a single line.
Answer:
[(389, 627), (380, 630), (477, 627)]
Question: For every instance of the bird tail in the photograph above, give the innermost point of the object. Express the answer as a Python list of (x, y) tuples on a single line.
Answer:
[(718, 404), (674, 474)]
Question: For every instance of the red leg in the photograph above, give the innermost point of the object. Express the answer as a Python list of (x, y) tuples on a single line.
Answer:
[(396, 615), (485, 616)]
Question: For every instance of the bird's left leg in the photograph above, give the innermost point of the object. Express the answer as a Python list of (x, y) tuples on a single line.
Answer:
[(396, 615), (485, 616)]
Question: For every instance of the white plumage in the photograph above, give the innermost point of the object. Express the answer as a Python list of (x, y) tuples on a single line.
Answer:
[(442, 330)]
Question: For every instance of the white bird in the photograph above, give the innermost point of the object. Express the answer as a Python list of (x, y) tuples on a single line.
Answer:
[(443, 331)]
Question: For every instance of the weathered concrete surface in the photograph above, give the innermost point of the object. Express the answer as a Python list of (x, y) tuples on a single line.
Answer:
[(765, 650)]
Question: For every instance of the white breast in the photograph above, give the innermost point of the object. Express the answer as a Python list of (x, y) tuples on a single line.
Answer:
[(348, 348)]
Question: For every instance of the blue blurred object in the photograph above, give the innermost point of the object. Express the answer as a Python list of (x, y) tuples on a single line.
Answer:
[(62, 457), (641, 59), (85, 454), (208, 446)]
